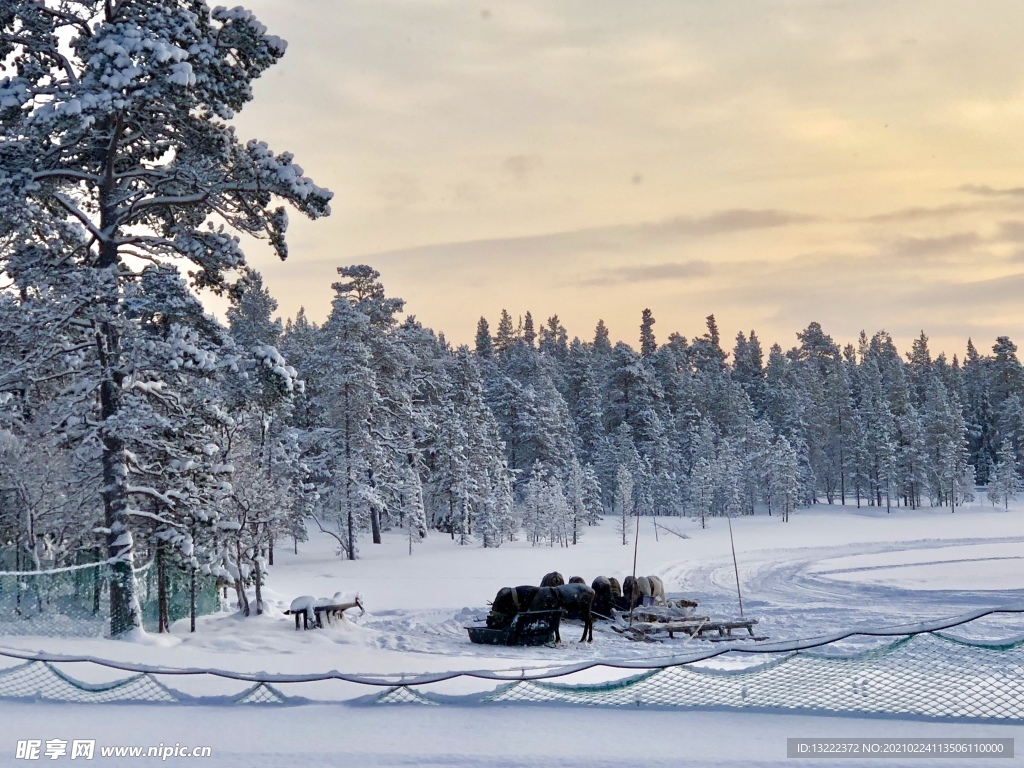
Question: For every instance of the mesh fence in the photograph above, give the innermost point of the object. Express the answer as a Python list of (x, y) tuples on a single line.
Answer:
[(39, 680), (927, 675), (920, 672), (75, 601)]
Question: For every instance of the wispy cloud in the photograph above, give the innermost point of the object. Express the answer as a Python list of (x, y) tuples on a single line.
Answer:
[(649, 272), (910, 215), (616, 238), (1011, 231), (723, 222), (984, 190), (918, 247)]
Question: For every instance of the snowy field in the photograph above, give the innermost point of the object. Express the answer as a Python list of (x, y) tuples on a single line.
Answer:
[(827, 570)]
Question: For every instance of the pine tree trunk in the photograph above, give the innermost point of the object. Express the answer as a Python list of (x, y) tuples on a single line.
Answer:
[(842, 468), (348, 480), (125, 614), (270, 551), (259, 586), (97, 590), (243, 598), (192, 600), (124, 605), (162, 613), (351, 536), (374, 511)]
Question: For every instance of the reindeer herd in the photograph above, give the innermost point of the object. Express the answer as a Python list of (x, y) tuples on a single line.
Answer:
[(575, 599)]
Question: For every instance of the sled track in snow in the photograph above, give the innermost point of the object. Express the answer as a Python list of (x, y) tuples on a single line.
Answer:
[(792, 596)]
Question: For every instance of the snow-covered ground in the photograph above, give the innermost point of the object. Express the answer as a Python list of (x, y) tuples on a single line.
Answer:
[(828, 569), (422, 737)]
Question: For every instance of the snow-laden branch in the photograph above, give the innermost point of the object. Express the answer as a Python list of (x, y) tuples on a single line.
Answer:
[(152, 516), (153, 494)]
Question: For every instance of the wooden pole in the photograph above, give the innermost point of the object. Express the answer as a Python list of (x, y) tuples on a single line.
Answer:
[(735, 567), (636, 541)]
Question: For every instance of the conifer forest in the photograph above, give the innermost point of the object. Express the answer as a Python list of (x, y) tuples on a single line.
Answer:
[(236, 436)]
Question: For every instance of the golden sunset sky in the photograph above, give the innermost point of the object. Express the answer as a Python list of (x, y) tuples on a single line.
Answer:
[(858, 164)]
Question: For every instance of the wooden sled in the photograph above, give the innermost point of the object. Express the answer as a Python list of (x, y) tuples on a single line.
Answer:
[(697, 627), (526, 628)]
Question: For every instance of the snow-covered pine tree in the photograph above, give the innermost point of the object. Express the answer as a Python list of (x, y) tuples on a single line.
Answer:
[(268, 497), (484, 343), (583, 399), (489, 482), (706, 353), (576, 499), (784, 477), (559, 513), (748, 370), (114, 152), (534, 514), (702, 489), (648, 345), (554, 339), (506, 334), (978, 412), (529, 332), (1003, 486), (625, 505), (174, 416), (592, 495), (602, 339), (945, 442), (265, 395), (339, 445), (449, 475)]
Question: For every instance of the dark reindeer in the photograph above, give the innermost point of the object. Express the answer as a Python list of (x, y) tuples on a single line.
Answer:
[(574, 599), (634, 590), (602, 587), (616, 587), (553, 579), (507, 603)]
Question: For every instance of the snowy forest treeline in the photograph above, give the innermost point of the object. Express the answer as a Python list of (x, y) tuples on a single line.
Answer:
[(371, 421), (134, 426)]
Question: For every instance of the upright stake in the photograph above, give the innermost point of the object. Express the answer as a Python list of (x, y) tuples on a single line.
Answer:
[(735, 567), (192, 601), (636, 541)]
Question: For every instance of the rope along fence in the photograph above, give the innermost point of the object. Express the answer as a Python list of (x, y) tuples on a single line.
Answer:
[(921, 672), (75, 601)]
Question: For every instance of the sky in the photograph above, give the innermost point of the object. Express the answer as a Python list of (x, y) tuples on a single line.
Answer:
[(858, 164)]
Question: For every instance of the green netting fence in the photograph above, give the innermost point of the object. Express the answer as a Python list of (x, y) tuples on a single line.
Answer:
[(928, 675), (75, 601)]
